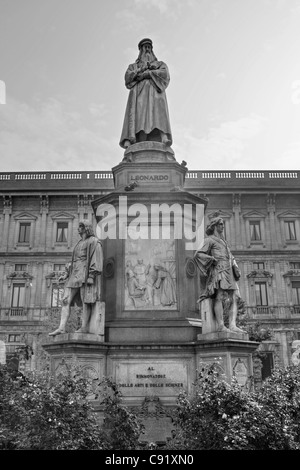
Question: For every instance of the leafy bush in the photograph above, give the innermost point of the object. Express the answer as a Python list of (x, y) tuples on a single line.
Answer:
[(38, 413), (223, 416), (122, 427)]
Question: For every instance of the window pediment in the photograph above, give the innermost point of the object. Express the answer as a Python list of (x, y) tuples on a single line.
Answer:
[(223, 214), (288, 215), (62, 216), (254, 215), (259, 273), (292, 273), (19, 276), (24, 216)]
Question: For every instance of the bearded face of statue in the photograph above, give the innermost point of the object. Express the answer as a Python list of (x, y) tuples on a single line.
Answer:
[(146, 54)]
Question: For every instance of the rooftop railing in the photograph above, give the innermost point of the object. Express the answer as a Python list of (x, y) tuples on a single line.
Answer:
[(192, 174)]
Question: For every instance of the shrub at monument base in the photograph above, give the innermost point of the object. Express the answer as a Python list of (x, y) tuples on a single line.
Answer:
[(38, 413), (122, 426), (223, 416)]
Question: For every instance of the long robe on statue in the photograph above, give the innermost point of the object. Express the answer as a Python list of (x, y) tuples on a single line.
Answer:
[(147, 107)]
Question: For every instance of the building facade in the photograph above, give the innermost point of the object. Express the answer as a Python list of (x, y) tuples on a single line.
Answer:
[(39, 215)]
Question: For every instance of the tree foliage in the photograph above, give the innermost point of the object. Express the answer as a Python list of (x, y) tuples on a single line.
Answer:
[(38, 413), (123, 428), (222, 416)]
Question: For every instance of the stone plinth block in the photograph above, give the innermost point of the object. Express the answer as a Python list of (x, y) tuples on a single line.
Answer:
[(231, 356), (154, 152), (85, 350), (76, 337), (149, 176), (217, 335)]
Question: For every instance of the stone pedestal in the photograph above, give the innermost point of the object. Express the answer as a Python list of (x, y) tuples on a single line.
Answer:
[(149, 166), (231, 353), (84, 349), (150, 151)]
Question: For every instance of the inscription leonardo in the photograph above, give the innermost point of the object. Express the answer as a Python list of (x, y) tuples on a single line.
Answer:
[(149, 178)]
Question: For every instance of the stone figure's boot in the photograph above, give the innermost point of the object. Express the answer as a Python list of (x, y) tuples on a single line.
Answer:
[(218, 311), (222, 327), (63, 321), (84, 321), (232, 319), (234, 328)]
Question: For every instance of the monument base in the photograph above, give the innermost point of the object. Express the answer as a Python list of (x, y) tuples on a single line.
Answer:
[(232, 356), (150, 376)]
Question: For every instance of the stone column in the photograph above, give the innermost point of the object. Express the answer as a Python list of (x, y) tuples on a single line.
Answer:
[(271, 211), (236, 205), (7, 211), (2, 266), (44, 209)]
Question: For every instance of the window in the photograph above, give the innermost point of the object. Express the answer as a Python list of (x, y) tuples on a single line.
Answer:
[(18, 295), (62, 232), (255, 233), (14, 338), (20, 267), (296, 292), (59, 267), (85, 215), (261, 294), (57, 295), (295, 265), (24, 232), (290, 230), (258, 266)]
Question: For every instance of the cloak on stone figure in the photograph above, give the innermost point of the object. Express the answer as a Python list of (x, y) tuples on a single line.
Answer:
[(146, 115)]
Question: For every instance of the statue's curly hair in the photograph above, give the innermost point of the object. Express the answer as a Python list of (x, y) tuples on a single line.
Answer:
[(88, 228), (211, 225)]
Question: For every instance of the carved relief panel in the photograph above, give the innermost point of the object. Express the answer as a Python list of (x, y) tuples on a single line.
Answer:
[(150, 274)]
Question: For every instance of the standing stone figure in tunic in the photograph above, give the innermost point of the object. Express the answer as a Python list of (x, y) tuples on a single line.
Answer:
[(82, 278), (220, 270), (146, 115)]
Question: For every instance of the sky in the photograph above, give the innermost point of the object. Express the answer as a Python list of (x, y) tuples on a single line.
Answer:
[(233, 97)]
